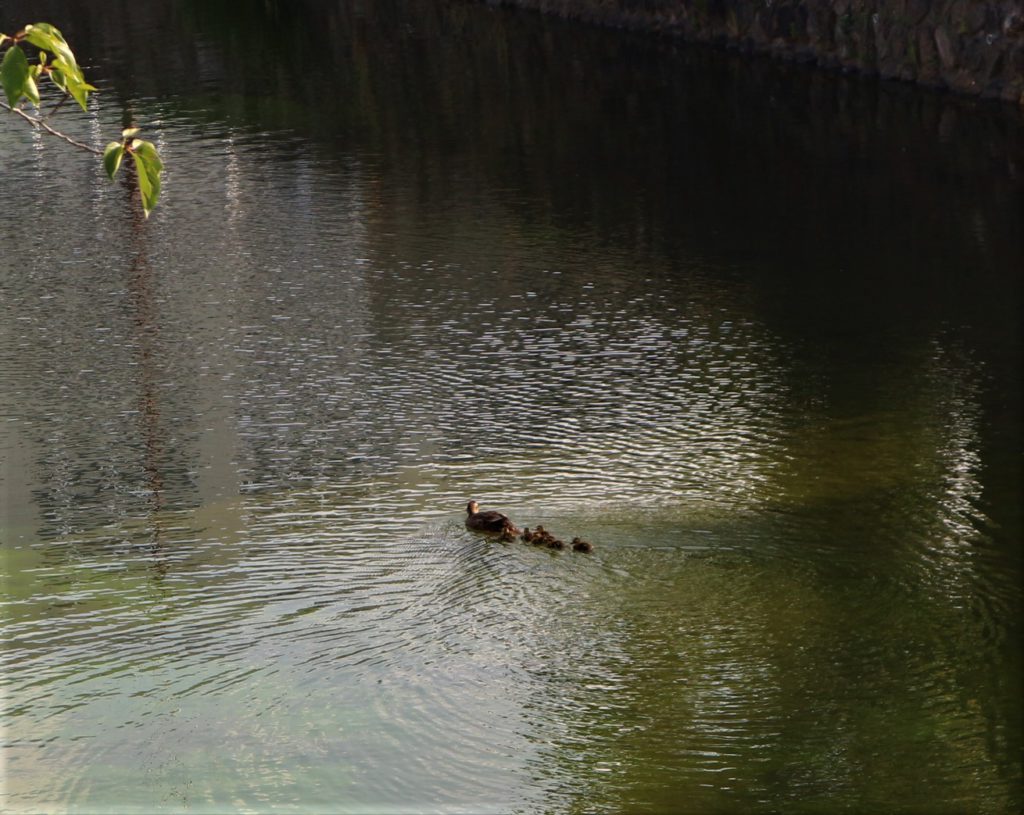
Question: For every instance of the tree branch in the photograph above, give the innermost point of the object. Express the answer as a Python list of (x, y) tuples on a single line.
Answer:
[(56, 107), (39, 123)]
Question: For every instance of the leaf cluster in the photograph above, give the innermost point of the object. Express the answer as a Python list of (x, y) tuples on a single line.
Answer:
[(19, 79), (147, 164)]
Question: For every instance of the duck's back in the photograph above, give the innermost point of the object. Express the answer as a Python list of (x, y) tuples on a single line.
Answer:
[(488, 521), (491, 521)]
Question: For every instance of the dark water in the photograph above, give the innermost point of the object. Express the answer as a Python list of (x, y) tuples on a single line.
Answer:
[(752, 330)]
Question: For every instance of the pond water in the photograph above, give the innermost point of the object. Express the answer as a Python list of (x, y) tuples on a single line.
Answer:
[(752, 330)]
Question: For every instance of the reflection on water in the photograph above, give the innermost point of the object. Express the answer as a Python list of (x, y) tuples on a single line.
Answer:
[(238, 437)]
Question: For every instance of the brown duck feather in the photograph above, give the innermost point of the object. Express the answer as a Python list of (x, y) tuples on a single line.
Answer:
[(489, 521)]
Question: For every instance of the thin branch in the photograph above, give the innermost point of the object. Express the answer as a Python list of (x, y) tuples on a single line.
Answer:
[(32, 120), (56, 107)]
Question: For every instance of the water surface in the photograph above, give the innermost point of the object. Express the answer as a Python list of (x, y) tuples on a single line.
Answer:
[(751, 330)]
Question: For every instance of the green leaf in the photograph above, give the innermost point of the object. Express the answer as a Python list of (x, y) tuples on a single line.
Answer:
[(32, 90), (70, 81), (66, 74), (149, 166), (14, 74), (112, 156), (47, 37), (128, 132)]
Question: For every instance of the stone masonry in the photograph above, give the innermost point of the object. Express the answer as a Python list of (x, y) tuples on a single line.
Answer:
[(973, 47)]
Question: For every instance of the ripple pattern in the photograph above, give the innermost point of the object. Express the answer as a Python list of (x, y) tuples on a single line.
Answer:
[(236, 576)]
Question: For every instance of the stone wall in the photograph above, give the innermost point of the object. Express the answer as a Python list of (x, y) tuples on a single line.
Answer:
[(970, 46)]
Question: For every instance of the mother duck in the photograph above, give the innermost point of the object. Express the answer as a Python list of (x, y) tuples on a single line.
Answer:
[(488, 521)]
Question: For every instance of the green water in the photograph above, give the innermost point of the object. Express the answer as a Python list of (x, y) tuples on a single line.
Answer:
[(752, 330)]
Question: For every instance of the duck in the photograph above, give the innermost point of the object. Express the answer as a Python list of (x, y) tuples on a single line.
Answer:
[(489, 521), (541, 537), (580, 545)]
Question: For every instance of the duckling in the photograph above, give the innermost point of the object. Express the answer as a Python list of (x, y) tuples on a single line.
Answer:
[(489, 521), (527, 536), (579, 545), (554, 543), (507, 536)]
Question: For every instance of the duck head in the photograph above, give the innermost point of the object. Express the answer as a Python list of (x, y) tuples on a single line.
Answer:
[(472, 507)]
